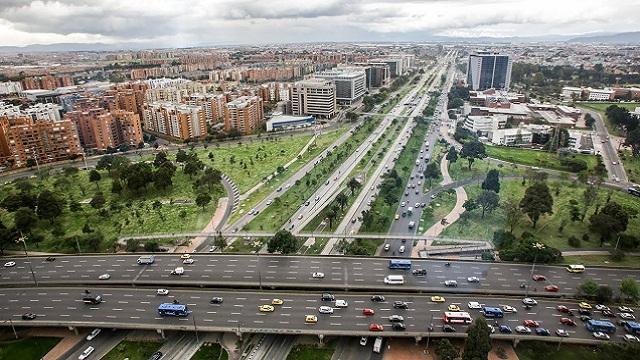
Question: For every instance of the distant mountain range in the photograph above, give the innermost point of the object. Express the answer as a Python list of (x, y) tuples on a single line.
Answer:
[(632, 38)]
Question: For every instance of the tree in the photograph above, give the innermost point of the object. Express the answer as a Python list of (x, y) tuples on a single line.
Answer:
[(512, 213), (181, 156), (25, 219), (161, 159), (331, 215), (342, 200), (31, 162), (283, 241), (351, 116), (610, 221), (193, 166), (492, 181), (138, 176), (588, 288), (589, 120), (50, 205), (629, 288), (478, 342), (132, 245), (220, 242), (163, 176), (98, 201), (604, 294), (445, 350), (210, 178), (472, 150), (488, 200), (452, 155), (94, 177), (151, 246), (589, 196), (470, 205), (536, 202), (431, 171), (353, 184), (203, 199), (633, 140)]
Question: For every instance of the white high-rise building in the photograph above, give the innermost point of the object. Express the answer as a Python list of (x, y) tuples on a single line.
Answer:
[(314, 97), (350, 83), (489, 71)]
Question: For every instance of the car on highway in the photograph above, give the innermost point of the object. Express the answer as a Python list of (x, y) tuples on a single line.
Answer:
[(85, 354), (325, 309), (530, 323), (300, 217), (177, 271), (451, 283), (50, 258), (10, 264), (104, 277), (543, 332), (212, 248), (341, 304), (602, 307), (29, 316), (627, 316), (552, 288), (216, 300), (419, 272), (277, 302), (363, 341), (386, 247), (453, 307), (473, 279), (562, 333), (266, 308), (584, 312), (585, 318), (437, 299), (474, 305), (396, 318), (317, 275), (402, 248), (400, 305), (509, 309), (529, 301), (538, 277), (567, 321), (162, 292), (368, 312), (327, 297), (504, 329), (608, 313), (377, 298), (156, 355), (376, 327), (625, 309), (185, 256), (600, 335), (522, 329), (448, 328), (630, 338), (188, 261), (397, 217), (584, 305), (563, 309), (398, 326), (92, 335), (310, 319), (269, 202)]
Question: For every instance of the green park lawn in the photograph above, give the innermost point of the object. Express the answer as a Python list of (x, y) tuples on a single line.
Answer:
[(631, 166), (133, 350), (472, 226), (459, 170), (601, 107), (537, 158), (311, 352), (210, 352), (438, 209), (27, 349), (534, 350), (121, 215)]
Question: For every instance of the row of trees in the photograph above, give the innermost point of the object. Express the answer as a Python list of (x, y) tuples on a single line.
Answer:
[(630, 124), (476, 347), (604, 294)]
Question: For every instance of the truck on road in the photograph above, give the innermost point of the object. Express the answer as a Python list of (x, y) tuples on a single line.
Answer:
[(377, 345)]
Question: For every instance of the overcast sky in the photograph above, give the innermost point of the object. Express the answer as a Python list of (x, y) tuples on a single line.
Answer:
[(206, 22)]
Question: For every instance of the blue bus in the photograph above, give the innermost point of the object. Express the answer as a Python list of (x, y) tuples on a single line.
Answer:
[(492, 312), (170, 309), (632, 327), (400, 264), (601, 325)]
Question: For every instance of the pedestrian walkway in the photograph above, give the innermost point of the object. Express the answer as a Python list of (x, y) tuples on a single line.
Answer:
[(217, 218)]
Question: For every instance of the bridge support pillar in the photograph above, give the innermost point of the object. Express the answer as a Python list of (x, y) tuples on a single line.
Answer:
[(74, 329), (418, 339), (515, 342), (321, 339), (161, 332), (239, 335)]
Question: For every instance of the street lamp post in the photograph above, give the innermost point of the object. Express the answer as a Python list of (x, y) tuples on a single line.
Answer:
[(537, 247), (26, 253), (429, 330), (195, 328)]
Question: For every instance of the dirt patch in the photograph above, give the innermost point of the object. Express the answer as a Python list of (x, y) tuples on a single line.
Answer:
[(508, 351), (406, 349)]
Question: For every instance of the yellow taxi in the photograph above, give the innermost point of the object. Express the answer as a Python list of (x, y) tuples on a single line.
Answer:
[(584, 305), (453, 307), (185, 256), (438, 299), (310, 319), (266, 308), (276, 302)]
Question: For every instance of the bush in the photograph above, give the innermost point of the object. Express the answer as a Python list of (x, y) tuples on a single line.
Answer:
[(617, 255), (574, 241)]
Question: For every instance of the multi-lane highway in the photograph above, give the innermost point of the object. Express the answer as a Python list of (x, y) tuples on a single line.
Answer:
[(239, 312), (288, 272)]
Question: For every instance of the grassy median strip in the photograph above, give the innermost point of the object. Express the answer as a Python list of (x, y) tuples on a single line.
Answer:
[(210, 352), (311, 352), (133, 350), (27, 349)]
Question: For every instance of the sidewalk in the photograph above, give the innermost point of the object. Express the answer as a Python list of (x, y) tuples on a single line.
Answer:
[(217, 217)]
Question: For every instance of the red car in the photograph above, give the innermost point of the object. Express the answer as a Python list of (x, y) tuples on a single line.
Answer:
[(551, 288), (376, 327), (567, 321), (563, 309), (538, 277), (531, 323), (367, 311)]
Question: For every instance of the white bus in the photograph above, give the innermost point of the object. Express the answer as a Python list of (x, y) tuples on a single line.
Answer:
[(377, 345), (575, 268), (394, 280)]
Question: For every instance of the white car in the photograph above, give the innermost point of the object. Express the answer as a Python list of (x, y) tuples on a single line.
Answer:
[(630, 338), (92, 335), (602, 307), (600, 335), (529, 301), (85, 354), (212, 248), (363, 341), (473, 279), (509, 309), (177, 271), (625, 309), (269, 202), (474, 305), (188, 261), (318, 275), (104, 277), (401, 249), (162, 292), (627, 316), (522, 329), (10, 264), (325, 310), (341, 304)]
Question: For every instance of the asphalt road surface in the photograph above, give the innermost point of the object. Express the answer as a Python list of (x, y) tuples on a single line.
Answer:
[(296, 272), (136, 308)]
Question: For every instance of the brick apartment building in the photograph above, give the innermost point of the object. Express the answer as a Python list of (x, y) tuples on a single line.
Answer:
[(244, 114)]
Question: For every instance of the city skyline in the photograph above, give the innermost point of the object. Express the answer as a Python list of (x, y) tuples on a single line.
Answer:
[(170, 24)]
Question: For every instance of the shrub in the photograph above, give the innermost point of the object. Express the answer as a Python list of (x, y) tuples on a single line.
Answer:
[(574, 241)]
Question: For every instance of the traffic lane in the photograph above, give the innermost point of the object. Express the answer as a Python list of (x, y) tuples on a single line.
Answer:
[(103, 343), (239, 310), (283, 270)]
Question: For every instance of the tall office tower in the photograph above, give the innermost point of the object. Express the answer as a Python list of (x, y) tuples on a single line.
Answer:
[(489, 71), (314, 97), (243, 114), (350, 83)]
